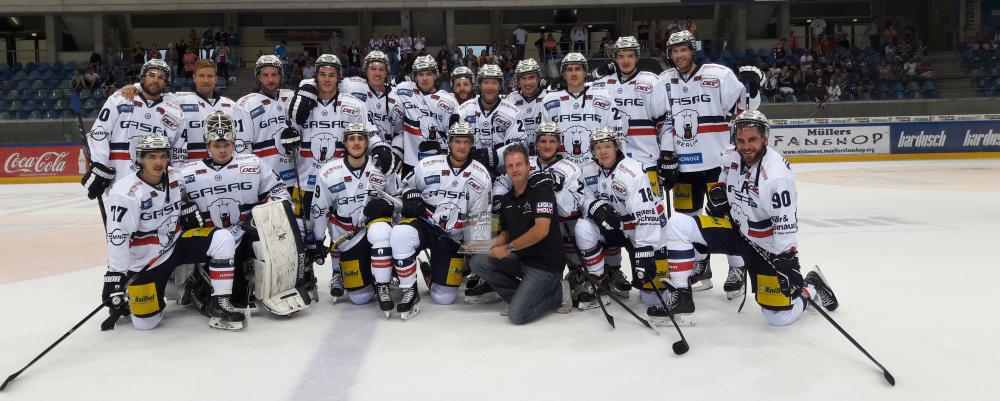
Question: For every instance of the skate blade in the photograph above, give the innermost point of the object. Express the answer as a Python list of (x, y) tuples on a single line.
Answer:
[(731, 295), (488, 298), (410, 313), (593, 304), (683, 320), (388, 315), (620, 294), (218, 323), (333, 300), (702, 285)]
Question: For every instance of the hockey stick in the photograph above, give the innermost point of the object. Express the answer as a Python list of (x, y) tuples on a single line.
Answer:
[(112, 319), (74, 104), (588, 277), (681, 346), (80, 323), (885, 372), (620, 303)]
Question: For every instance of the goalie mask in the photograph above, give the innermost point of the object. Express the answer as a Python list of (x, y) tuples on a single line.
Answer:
[(219, 126)]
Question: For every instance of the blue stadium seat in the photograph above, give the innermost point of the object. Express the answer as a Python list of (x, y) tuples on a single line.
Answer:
[(34, 75), (750, 53), (70, 66), (61, 104), (17, 67), (30, 67), (737, 53), (20, 76), (57, 66), (36, 115), (7, 115), (23, 85), (6, 76), (31, 105), (43, 66), (52, 114), (37, 84), (89, 105), (11, 95), (913, 89), (42, 94), (8, 85), (3, 106), (84, 94), (47, 75), (4, 67), (27, 95), (45, 104), (65, 84), (15, 105), (56, 94), (52, 84)]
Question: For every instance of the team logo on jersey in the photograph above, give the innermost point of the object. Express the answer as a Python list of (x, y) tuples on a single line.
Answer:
[(337, 187), (218, 177), (644, 88), (602, 104), (125, 108), (433, 179), (325, 113), (351, 111), (193, 108), (250, 170), (117, 237), (552, 104), (446, 107), (98, 135), (146, 204), (148, 116), (710, 82), (279, 108), (189, 178), (684, 89), (257, 111)]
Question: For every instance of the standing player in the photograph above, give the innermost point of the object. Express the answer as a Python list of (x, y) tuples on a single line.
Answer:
[(622, 211), (443, 194), (757, 189), (578, 109), (463, 85), (524, 107), (143, 223), (266, 121), (428, 112), (384, 109), (702, 98), (346, 202), (481, 114), (123, 120)]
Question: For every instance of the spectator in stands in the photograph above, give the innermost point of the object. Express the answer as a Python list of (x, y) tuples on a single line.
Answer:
[(885, 73), (550, 46), (179, 54), (841, 37), (222, 55), (925, 70), (579, 36), (470, 59), (817, 91), (910, 69), (770, 88), (375, 43), (889, 34), (91, 80), (690, 26), (807, 59), (354, 55), (833, 91), (778, 52), (520, 39), (233, 40), (564, 43), (829, 46), (608, 45), (786, 82), (642, 33), (336, 46), (874, 38), (189, 59), (793, 42), (485, 58), (192, 39), (207, 44), (138, 56), (77, 82), (420, 43), (673, 27)]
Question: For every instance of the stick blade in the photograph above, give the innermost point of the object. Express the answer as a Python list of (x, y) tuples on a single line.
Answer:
[(681, 347), (888, 378), (9, 379)]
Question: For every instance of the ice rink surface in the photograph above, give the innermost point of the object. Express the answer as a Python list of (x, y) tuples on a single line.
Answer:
[(906, 246)]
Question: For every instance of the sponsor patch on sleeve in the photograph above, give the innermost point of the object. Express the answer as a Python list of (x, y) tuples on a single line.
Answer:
[(432, 179), (257, 111), (552, 104), (543, 208), (404, 92), (710, 82), (189, 178), (189, 108), (644, 88), (592, 180), (337, 187), (125, 108), (249, 169), (361, 96), (475, 186)]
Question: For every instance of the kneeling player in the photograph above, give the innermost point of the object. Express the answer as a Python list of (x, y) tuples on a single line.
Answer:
[(757, 189), (359, 222), (443, 194), (142, 228)]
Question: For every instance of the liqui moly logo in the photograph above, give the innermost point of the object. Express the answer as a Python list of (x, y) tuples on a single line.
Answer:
[(45, 162)]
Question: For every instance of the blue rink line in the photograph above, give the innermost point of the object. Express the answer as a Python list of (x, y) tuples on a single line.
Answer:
[(332, 372)]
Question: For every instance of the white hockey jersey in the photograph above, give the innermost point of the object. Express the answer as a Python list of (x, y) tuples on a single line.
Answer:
[(524, 114), (142, 221), (265, 118), (341, 194), (640, 104), (578, 115), (490, 125), (700, 108), (426, 119), (384, 109), (453, 195), (763, 199), (196, 109), (120, 124), (627, 189), (568, 199), (225, 194)]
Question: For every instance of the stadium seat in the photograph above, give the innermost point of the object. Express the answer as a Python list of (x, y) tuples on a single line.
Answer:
[(42, 94), (15, 105), (4, 67), (70, 66), (6, 116), (47, 75), (31, 105), (37, 84), (61, 104), (45, 105), (3, 106), (8, 85), (36, 115), (27, 95), (34, 75), (43, 66), (85, 94), (56, 94), (23, 83), (89, 105), (913, 89), (65, 84), (17, 67), (30, 67), (57, 66), (52, 114), (12, 94), (6, 76), (52, 84)]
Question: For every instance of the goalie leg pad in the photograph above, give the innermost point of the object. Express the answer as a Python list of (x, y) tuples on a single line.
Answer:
[(278, 262)]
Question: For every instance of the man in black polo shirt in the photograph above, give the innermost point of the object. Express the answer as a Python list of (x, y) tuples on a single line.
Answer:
[(525, 262)]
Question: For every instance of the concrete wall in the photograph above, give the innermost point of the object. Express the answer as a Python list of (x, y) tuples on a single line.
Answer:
[(62, 6), (883, 108)]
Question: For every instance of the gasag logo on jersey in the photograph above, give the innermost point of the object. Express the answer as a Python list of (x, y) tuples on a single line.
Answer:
[(165, 211), (221, 189), (686, 101), (125, 108), (250, 169), (257, 112), (117, 237), (552, 104), (690, 158), (562, 118), (628, 102), (143, 127), (189, 108), (279, 120), (432, 179), (710, 82)]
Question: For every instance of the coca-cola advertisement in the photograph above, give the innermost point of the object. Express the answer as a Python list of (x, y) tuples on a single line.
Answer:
[(42, 161)]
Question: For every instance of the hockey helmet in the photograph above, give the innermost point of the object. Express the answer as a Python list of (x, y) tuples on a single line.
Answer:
[(550, 129), (490, 71), (527, 66), (626, 43), (460, 73), (680, 38), (219, 126), (374, 56), (570, 59), (603, 134), (355, 129), (424, 63), (151, 143), (268, 60), (157, 64), (751, 118), (461, 129), (746, 70), (329, 60)]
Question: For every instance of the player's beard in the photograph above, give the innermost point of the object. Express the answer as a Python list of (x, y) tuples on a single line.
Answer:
[(150, 92), (754, 157)]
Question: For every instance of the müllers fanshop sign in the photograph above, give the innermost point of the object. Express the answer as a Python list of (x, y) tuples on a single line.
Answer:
[(42, 161)]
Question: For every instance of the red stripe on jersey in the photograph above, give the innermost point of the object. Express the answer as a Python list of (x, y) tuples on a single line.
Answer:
[(760, 233), (151, 240), (709, 128), (338, 223), (681, 266), (412, 130), (641, 131), (197, 154), (266, 152), (227, 274), (119, 156), (306, 153), (629, 226)]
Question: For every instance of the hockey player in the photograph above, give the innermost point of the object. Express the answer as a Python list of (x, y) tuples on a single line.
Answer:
[(463, 85), (346, 202), (266, 121), (197, 106), (453, 190), (428, 112), (143, 229), (481, 114), (384, 109), (578, 109), (123, 120), (567, 184), (757, 189), (622, 211), (524, 107), (702, 99)]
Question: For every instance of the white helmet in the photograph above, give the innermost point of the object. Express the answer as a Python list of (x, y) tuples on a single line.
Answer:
[(572, 58), (329, 60), (527, 66), (550, 129), (151, 143), (626, 43), (461, 129), (490, 71), (753, 70), (155, 63), (603, 134), (355, 129), (462, 72), (374, 56), (424, 63), (751, 118), (219, 126), (268, 60), (680, 38)]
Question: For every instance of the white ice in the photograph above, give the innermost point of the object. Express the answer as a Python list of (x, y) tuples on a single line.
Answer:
[(906, 246)]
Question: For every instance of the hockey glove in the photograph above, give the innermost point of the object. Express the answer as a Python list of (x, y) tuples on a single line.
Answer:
[(378, 208), (429, 148), (751, 81), (387, 158), (789, 277), (305, 100), (290, 139), (539, 178), (113, 295), (718, 203), (413, 204), (190, 216), (645, 266), (666, 168), (604, 215), (315, 252), (98, 179), (486, 156)]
